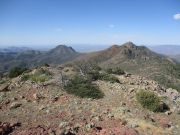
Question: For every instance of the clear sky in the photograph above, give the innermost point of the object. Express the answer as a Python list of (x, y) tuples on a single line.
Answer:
[(52, 22)]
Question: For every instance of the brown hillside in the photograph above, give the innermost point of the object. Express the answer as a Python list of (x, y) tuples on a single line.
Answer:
[(137, 60)]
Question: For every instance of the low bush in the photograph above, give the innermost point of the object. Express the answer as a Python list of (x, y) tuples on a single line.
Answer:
[(42, 71), (96, 68), (40, 75), (116, 70), (39, 78), (149, 100), (25, 77), (35, 78), (85, 67), (46, 65), (108, 77), (16, 71), (94, 75), (2, 81), (83, 88)]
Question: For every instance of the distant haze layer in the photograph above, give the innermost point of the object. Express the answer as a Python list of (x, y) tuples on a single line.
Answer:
[(166, 49), (169, 50)]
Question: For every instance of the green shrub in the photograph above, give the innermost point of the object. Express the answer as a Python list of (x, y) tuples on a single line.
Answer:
[(93, 75), (85, 67), (108, 77), (16, 71), (66, 70), (116, 70), (39, 78), (149, 100), (96, 68), (42, 71), (2, 81), (35, 78), (46, 65), (40, 75), (83, 88), (25, 77)]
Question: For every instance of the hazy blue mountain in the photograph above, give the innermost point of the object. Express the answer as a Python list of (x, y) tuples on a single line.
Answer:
[(166, 49), (14, 49), (176, 57), (31, 58)]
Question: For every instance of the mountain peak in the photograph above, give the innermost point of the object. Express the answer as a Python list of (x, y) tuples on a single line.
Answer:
[(129, 45), (63, 49)]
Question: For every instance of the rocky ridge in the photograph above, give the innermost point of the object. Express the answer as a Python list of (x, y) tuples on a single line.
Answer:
[(45, 108)]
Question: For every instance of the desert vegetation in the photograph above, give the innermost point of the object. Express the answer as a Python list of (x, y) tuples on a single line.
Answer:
[(82, 84), (40, 75), (16, 71), (149, 100), (108, 77), (2, 81), (83, 88), (116, 70)]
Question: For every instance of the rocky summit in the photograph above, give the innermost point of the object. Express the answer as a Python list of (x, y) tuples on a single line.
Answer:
[(37, 103)]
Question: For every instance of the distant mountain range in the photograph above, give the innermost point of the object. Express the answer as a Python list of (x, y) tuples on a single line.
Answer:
[(31, 58), (14, 49), (172, 51), (169, 50), (133, 59), (176, 57)]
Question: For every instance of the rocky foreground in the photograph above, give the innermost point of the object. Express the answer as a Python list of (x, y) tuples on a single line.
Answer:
[(30, 108)]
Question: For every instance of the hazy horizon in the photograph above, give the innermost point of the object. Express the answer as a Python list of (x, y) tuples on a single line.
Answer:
[(169, 50), (86, 45)]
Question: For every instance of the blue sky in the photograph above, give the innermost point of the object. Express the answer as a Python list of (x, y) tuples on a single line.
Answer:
[(52, 22)]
